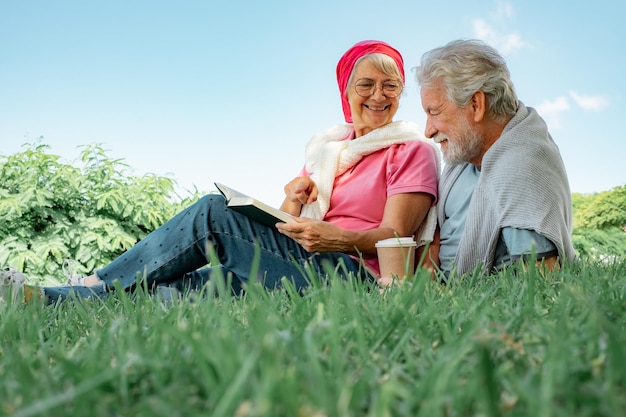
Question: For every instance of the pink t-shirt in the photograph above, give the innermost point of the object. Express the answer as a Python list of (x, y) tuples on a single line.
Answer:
[(359, 195)]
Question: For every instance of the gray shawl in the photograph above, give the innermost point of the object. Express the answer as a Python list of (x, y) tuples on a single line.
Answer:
[(522, 184)]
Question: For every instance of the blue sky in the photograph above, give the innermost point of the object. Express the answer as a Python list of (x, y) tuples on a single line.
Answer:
[(205, 91)]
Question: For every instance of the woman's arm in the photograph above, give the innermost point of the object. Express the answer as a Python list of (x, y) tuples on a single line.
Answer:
[(402, 216)]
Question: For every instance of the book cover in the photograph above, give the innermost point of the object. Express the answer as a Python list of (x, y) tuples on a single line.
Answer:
[(253, 208)]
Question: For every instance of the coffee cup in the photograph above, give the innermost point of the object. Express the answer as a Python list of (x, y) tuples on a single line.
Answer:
[(396, 257)]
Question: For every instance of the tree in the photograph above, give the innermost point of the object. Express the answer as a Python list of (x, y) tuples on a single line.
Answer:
[(600, 223), (52, 211), (604, 210)]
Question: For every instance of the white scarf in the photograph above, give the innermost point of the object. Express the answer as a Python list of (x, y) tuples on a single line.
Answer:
[(330, 153)]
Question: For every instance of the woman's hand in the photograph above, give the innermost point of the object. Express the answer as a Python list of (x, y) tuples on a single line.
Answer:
[(302, 190), (299, 191), (403, 215), (316, 235)]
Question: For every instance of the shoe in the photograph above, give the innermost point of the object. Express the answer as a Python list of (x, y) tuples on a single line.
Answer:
[(168, 294), (11, 283), (31, 291)]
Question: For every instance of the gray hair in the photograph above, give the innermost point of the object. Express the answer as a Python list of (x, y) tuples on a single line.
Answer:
[(468, 66), (381, 62)]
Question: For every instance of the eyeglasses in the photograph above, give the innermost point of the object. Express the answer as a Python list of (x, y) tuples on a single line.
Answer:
[(366, 88)]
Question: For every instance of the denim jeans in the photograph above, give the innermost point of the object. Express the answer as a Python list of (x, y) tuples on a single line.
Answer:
[(176, 254)]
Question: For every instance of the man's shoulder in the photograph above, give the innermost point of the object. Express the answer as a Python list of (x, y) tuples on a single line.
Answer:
[(452, 171)]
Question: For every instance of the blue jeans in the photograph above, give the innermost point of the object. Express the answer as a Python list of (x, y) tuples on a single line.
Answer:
[(176, 254)]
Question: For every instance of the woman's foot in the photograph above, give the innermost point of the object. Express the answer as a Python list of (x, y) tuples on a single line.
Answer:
[(90, 281), (78, 279)]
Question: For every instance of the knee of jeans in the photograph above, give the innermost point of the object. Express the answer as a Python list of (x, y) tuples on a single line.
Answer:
[(212, 201), (214, 206)]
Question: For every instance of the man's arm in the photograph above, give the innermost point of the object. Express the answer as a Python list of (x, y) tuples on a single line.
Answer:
[(521, 243)]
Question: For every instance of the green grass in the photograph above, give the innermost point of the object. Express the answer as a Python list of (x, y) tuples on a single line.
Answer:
[(504, 345)]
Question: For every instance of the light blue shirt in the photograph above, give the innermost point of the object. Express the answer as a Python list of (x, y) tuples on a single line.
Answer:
[(455, 209)]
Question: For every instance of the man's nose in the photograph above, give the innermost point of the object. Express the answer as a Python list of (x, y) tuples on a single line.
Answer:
[(430, 130)]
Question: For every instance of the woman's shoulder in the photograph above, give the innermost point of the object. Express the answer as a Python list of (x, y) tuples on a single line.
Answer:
[(426, 148)]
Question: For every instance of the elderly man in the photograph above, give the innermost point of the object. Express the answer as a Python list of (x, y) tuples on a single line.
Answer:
[(504, 193)]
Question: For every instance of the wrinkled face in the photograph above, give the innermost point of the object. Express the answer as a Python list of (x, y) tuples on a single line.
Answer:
[(450, 126), (377, 110)]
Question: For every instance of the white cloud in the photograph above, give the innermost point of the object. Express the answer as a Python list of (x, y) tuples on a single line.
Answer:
[(482, 30), (499, 39), (511, 43), (551, 111), (589, 102), (504, 10), (557, 105)]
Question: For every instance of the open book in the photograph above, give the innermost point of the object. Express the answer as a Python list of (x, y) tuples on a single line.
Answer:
[(252, 207)]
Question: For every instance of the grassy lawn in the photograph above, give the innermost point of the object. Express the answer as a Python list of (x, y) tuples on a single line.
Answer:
[(505, 345)]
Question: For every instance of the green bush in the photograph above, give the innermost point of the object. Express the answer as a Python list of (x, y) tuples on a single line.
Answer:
[(52, 211), (600, 224)]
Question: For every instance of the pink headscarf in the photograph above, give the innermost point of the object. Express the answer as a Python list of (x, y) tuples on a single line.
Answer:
[(347, 61)]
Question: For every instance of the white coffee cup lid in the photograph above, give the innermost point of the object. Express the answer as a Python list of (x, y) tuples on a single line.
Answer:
[(396, 241)]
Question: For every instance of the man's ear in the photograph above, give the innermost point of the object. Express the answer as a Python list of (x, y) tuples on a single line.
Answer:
[(478, 105)]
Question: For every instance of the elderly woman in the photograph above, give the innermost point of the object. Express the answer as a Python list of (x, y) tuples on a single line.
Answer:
[(363, 181)]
